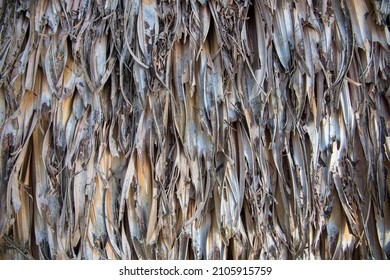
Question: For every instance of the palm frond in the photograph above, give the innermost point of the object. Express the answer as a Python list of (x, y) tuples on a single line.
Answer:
[(194, 129)]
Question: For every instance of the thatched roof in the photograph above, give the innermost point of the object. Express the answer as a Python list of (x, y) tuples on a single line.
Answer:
[(194, 129)]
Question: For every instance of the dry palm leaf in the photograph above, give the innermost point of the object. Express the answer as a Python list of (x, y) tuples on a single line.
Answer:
[(194, 129)]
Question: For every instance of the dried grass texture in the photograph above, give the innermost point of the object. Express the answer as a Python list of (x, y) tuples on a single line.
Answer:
[(194, 129)]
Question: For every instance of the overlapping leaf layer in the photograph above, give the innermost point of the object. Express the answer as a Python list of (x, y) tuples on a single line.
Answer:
[(192, 129)]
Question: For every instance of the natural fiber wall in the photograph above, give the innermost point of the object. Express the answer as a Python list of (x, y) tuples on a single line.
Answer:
[(194, 129)]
